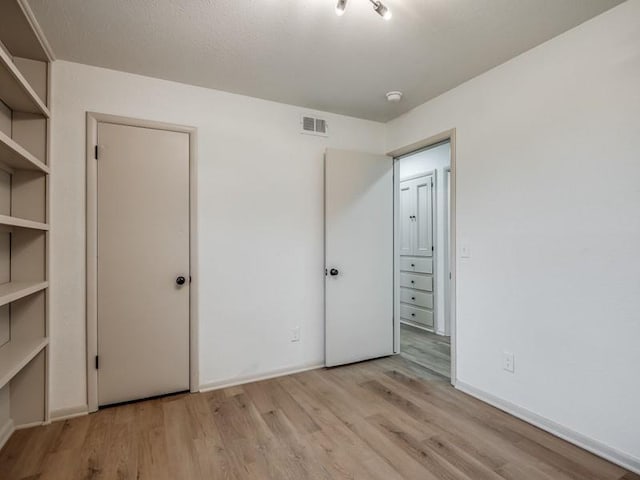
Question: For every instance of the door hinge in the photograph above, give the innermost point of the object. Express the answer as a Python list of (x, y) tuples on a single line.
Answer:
[(97, 362), (96, 152), (432, 249)]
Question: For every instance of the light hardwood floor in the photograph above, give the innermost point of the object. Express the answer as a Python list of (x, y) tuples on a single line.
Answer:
[(380, 420), (426, 349)]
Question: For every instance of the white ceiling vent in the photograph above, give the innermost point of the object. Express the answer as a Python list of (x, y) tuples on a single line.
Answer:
[(314, 126)]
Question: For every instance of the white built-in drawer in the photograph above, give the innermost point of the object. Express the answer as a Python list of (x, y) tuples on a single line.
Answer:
[(416, 314), (416, 297), (420, 282), (419, 265)]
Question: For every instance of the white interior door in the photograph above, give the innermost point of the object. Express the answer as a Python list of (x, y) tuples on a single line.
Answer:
[(359, 256), (143, 262)]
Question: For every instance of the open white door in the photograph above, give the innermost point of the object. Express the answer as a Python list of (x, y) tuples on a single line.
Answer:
[(358, 256)]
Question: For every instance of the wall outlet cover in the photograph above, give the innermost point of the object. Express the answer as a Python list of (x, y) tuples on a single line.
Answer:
[(508, 362), (295, 334)]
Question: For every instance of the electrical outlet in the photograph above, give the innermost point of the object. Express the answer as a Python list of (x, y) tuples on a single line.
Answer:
[(295, 334), (508, 362)]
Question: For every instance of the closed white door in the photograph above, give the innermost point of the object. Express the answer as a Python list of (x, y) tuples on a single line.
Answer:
[(143, 262), (358, 256)]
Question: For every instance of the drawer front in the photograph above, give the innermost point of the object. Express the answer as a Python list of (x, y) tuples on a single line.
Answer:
[(416, 314), (416, 297), (416, 281), (418, 265)]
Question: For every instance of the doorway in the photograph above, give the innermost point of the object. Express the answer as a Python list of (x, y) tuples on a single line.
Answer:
[(424, 272), (140, 252)]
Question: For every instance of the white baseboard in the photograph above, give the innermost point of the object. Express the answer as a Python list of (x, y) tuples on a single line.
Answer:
[(594, 446), (6, 431), (30, 425), (232, 382), (67, 413)]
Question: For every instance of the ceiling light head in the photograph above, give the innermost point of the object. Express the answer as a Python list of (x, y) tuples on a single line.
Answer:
[(340, 7), (381, 9), (394, 97)]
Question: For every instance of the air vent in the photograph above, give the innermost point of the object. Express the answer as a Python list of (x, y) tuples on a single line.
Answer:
[(314, 126)]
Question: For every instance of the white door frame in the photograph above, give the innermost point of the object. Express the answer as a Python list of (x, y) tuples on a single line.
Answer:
[(92, 246), (449, 135)]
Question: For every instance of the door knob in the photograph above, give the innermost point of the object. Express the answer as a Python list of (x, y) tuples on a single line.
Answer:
[(181, 280), (333, 272)]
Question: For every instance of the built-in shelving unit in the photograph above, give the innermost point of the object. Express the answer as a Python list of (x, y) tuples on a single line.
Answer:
[(24, 218)]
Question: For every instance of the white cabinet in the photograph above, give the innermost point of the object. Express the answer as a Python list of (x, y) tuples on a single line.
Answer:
[(416, 251)]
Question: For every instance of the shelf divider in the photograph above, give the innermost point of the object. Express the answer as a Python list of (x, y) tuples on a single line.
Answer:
[(15, 355), (15, 91), (14, 156), (8, 221), (12, 291)]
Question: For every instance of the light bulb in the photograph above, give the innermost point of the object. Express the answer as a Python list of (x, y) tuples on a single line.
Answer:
[(340, 7), (381, 9)]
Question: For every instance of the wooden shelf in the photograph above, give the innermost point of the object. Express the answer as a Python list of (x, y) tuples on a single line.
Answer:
[(12, 291), (15, 355), (21, 34), (15, 91), (7, 221), (15, 156)]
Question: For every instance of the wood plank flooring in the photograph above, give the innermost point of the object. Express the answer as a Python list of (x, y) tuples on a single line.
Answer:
[(381, 420), (426, 349)]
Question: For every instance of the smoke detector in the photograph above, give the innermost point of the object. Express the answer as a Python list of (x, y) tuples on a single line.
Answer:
[(394, 97)]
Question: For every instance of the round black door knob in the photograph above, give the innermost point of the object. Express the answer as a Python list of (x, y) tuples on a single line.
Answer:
[(333, 272), (181, 280)]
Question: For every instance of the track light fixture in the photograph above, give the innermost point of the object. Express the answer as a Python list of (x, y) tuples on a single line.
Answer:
[(379, 7)]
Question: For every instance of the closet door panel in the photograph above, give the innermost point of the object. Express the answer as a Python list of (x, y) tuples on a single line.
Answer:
[(424, 222), (407, 207)]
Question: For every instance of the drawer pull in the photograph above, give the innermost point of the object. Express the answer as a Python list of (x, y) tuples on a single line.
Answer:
[(413, 264), (413, 298), (412, 281), (413, 314)]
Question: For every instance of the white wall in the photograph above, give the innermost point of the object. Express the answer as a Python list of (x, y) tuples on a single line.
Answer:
[(435, 159), (260, 221), (548, 192)]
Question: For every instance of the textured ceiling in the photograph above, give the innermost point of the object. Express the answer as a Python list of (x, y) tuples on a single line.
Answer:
[(300, 52)]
